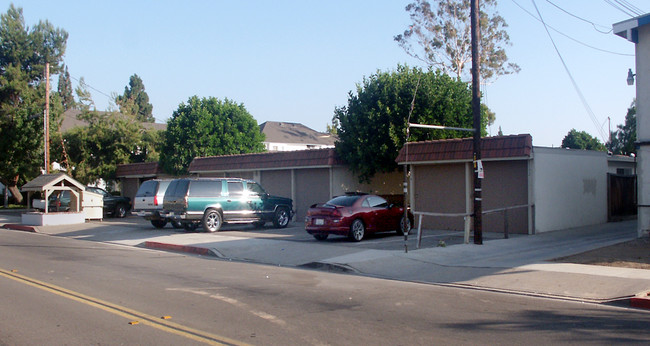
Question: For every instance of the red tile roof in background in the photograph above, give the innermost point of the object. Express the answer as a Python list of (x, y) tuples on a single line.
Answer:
[(461, 149), (266, 160), (144, 169)]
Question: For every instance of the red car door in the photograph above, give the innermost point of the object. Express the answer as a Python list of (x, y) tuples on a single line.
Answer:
[(381, 215)]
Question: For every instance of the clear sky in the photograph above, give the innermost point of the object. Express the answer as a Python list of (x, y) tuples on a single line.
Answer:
[(295, 61)]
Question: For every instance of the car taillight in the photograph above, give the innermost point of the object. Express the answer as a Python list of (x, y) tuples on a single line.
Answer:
[(185, 201), (155, 200), (336, 213)]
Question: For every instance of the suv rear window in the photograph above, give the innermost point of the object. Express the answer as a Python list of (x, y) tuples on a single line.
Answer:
[(177, 188), (205, 188), (148, 188)]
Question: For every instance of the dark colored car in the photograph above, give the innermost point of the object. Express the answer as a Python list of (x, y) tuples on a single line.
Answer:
[(211, 202), (354, 215), (118, 206)]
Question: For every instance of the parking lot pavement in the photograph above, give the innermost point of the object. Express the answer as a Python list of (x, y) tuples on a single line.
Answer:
[(231, 242)]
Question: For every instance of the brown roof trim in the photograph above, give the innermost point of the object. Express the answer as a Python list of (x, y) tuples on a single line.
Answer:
[(140, 170), (501, 147), (266, 161)]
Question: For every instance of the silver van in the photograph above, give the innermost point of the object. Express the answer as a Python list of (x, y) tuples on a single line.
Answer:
[(148, 202)]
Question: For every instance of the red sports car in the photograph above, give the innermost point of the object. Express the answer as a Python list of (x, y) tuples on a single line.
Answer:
[(354, 215)]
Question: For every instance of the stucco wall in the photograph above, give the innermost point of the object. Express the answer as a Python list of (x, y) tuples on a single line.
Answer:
[(130, 187), (344, 180), (570, 188), (643, 126)]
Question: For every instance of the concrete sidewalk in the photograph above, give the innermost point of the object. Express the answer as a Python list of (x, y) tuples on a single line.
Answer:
[(518, 265)]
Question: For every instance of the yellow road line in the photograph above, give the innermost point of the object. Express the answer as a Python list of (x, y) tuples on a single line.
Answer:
[(132, 315)]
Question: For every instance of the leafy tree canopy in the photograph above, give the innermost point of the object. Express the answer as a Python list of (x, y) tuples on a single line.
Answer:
[(372, 128), (24, 52), (624, 137), (441, 37), (582, 140), (65, 90), (208, 127), (110, 139), (135, 100)]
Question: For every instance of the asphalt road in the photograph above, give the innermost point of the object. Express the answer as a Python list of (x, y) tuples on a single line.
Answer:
[(67, 290)]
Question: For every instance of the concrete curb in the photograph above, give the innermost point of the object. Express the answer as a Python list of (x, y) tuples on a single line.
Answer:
[(179, 248), (17, 227), (641, 300)]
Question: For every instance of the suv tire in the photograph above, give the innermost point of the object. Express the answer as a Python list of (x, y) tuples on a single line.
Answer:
[(281, 217), (212, 221), (159, 223), (190, 226), (120, 211)]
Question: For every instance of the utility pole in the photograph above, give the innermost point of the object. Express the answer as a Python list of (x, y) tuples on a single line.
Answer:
[(47, 118), (476, 111)]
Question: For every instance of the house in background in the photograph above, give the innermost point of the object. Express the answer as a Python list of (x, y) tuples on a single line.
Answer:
[(70, 120), (283, 136)]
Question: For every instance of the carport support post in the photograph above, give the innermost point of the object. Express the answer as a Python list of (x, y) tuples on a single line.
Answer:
[(476, 111)]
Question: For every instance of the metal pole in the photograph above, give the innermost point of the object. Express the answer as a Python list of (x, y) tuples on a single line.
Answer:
[(476, 111)]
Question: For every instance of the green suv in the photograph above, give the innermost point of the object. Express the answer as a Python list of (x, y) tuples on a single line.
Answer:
[(211, 202)]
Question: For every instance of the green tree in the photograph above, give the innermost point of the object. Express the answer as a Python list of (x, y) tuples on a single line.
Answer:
[(624, 137), (582, 140), (135, 100), (443, 39), (373, 126), (24, 53), (64, 89), (208, 127), (151, 142), (84, 97), (110, 139)]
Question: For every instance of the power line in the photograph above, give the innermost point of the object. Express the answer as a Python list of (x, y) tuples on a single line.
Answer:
[(630, 7), (567, 36), (625, 7), (575, 85), (91, 87), (582, 19)]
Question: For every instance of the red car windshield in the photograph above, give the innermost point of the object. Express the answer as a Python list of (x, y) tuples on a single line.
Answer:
[(343, 201)]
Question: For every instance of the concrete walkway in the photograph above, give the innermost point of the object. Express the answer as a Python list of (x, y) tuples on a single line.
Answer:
[(518, 265)]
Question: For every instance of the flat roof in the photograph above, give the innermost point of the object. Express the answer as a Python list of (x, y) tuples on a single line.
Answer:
[(628, 29)]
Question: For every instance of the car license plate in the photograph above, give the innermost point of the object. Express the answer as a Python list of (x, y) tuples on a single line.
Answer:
[(319, 222)]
